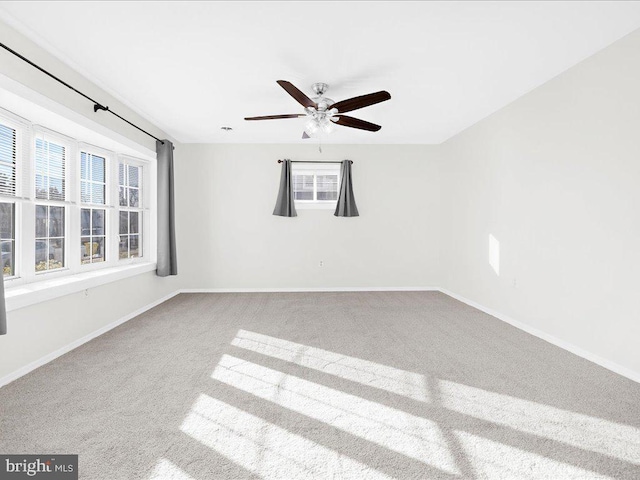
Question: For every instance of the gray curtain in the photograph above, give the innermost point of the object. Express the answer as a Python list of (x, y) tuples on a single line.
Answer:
[(346, 206), (167, 261), (285, 206), (3, 309)]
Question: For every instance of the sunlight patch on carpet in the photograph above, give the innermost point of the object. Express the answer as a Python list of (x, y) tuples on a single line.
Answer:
[(499, 461), (572, 428), (269, 451), (365, 372), (394, 429), (165, 470)]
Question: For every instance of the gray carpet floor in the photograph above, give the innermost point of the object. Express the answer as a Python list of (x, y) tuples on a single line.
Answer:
[(407, 385)]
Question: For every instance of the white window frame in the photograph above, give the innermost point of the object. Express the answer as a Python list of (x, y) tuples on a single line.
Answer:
[(22, 128), (27, 286), (315, 169), (28, 273), (108, 207), (144, 209)]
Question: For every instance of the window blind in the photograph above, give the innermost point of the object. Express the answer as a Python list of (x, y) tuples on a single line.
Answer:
[(8, 155)]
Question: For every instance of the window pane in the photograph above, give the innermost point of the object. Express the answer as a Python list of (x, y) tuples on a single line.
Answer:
[(133, 176), (327, 195), (7, 170), (50, 170), (133, 197), (123, 247), (56, 188), (42, 255), (97, 222), (92, 249), (49, 254), (124, 223), (41, 221), (6, 221), (56, 221), (8, 258), (134, 246), (97, 193), (97, 168), (86, 250), (133, 223), (56, 253), (85, 192), (122, 191), (98, 254), (84, 166), (41, 186), (121, 176), (41, 168), (85, 221), (327, 187), (304, 195)]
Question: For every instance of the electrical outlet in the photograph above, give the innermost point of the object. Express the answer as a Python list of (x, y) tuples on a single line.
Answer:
[(321, 264), (515, 283)]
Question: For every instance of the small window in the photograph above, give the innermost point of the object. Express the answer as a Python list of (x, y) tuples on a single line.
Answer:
[(316, 185)]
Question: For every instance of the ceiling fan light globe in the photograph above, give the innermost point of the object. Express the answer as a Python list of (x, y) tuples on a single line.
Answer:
[(312, 127)]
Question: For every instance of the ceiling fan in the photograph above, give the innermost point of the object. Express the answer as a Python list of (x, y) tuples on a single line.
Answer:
[(322, 112)]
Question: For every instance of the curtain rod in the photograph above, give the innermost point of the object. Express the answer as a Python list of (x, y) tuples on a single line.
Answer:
[(96, 105), (301, 161)]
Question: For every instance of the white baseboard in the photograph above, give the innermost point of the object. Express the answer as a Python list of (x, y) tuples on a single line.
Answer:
[(558, 342), (75, 344), (309, 289)]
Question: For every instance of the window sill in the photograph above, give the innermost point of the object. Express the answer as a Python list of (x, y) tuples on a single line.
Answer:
[(22, 296), (315, 205)]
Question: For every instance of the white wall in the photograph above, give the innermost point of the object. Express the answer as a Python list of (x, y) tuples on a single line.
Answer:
[(230, 239), (38, 331), (23, 73), (41, 329), (555, 177)]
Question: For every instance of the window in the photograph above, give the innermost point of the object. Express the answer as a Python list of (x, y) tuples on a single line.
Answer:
[(93, 186), (50, 189), (316, 185), (130, 225), (67, 207)]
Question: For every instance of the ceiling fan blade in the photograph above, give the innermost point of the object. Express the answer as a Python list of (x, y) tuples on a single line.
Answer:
[(305, 136), (300, 97), (275, 117), (346, 121), (362, 101)]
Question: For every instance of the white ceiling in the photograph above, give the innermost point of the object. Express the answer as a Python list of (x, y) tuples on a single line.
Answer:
[(192, 67)]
